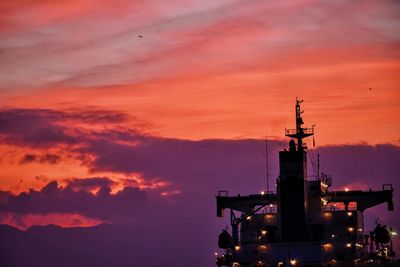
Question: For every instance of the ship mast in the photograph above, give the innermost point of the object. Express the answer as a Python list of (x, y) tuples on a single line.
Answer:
[(299, 133)]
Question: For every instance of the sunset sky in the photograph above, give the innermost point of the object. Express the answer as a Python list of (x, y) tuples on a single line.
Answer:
[(102, 102)]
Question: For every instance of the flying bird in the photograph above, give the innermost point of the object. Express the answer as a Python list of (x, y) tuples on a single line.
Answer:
[(140, 36)]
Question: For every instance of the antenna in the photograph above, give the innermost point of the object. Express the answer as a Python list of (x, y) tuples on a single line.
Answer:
[(313, 137), (299, 133), (266, 161), (318, 167)]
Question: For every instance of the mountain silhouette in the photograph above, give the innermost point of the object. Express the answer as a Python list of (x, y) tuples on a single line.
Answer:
[(102, 245), (51, 245)]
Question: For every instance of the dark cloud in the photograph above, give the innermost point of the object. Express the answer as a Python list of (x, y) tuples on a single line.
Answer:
[(43, 128), (193, 165), (54, 199), (28, 158), (89, 183), (97, 116), (33, 127), (45, 158), (42, 178), (366, 164)]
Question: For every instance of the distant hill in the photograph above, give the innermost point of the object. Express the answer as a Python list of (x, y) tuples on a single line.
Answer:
[(98, 246), (18, 248), (51, 245)]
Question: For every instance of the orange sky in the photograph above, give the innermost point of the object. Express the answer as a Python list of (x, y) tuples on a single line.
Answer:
[(249, 104), (225, 70)]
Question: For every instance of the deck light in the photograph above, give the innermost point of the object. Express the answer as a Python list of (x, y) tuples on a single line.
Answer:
[(293, 262), (270, 216)]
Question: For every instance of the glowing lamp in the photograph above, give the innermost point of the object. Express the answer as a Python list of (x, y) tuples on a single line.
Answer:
[(270, 216), (263, 232)]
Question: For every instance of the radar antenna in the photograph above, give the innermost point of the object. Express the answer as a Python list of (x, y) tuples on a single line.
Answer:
[(299, 133)]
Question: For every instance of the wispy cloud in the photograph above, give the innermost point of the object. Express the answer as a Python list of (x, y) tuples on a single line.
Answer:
[(90, 44)]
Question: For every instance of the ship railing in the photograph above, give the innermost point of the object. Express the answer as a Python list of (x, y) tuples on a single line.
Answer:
[(268, 210), (387, 187), (294, 131), (340, 206), (223, 193)]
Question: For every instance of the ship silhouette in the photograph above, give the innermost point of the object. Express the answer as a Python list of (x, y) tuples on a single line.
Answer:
[(303, 223)]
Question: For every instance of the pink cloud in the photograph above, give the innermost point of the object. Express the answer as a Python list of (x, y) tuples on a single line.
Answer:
[(24, 221), (107, 51)]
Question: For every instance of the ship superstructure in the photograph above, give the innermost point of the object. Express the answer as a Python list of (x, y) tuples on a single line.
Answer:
[(303, 223)]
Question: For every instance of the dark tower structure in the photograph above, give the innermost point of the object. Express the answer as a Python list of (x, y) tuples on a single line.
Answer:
[(292, 184)]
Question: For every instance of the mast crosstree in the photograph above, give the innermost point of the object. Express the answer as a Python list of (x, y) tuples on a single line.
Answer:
[(299, 133)]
